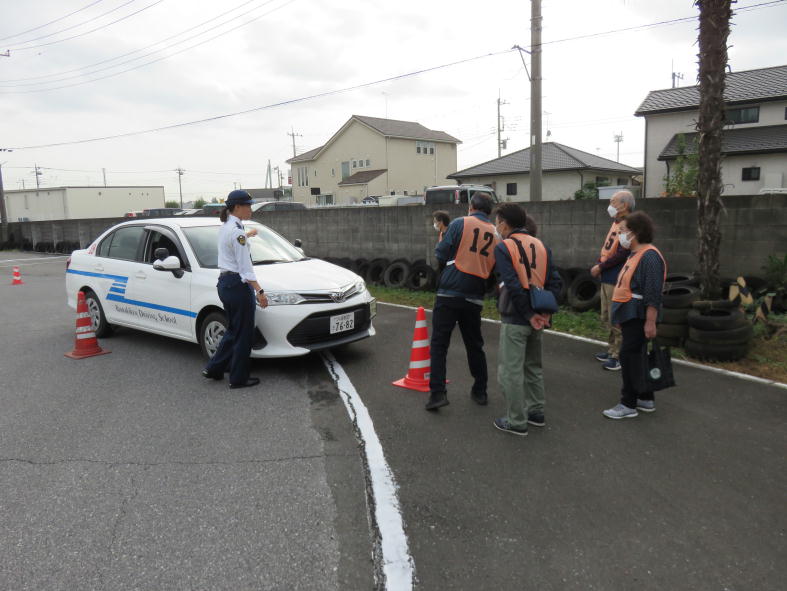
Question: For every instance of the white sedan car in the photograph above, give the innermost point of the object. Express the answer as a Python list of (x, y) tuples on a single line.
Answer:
[(160, 276)]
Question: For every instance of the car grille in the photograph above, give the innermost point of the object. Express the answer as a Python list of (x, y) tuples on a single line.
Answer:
[(316, 328), (259, 341)]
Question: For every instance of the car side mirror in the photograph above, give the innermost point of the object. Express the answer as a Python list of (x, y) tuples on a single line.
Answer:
[(297, 243), (170, 263)]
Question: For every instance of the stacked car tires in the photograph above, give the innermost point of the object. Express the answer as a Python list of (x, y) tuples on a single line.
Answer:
[(398, 273), (718, 331), (680, 292)]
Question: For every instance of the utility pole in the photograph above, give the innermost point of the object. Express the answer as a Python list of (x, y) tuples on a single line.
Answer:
[(38, 173), (293, 135), (180, 172), (501, 143), (3, 215), (278, 174), (268, 176), (535, 101), (618, 139), (104, 172)]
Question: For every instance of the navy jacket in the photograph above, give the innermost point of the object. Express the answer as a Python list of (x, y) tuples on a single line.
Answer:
[(519, 310), (453, 282)]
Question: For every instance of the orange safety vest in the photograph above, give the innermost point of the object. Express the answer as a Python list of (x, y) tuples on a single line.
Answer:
[(622, 291), (474, 255), (535, 257), (610, 242)]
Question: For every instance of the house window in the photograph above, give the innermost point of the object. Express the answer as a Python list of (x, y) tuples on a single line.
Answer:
[(355, 164), (622, 181), (751, 174), (315, 172), (367, 162), (785, 112), (324, 199), (333, 172), (424, 147), (743, 115), (602, 181), (510, 188)]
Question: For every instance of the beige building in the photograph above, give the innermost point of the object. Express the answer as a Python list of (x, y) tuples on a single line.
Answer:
[(564, 171), (369, 156), (73, 203), (754, 143)]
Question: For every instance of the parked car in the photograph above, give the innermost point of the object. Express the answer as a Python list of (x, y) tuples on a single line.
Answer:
[(395, 200), (188, 212), (159, 212), (133, 214), (212, 208), (276, 206), (455, 194), (160, 276)]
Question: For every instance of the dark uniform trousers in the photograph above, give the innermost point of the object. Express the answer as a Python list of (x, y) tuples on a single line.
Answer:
[(235, 347), (449, 311)]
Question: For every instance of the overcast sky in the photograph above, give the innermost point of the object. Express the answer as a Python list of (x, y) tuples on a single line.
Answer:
[(284, 50)]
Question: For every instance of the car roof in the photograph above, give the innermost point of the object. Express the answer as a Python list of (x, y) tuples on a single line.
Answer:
[(182, 222)]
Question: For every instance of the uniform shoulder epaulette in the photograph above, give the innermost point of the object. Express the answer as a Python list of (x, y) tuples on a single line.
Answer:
[(237, 225)]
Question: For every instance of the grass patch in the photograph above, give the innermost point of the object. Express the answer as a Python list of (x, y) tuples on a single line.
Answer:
[(767, 358)]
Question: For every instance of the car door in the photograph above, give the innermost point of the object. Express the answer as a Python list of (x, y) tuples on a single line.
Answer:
[(118, 262), (163, 297)]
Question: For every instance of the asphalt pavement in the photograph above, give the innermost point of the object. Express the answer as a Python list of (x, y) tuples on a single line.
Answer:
[(130, 471)]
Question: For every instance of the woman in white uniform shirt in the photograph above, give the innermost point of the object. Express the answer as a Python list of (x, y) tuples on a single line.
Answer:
[(239, 292)]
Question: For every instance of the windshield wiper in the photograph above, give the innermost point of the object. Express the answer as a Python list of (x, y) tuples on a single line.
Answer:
[(269, 262)]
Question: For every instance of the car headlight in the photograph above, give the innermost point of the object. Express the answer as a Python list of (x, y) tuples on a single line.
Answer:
[(360, 287), (284, 298)]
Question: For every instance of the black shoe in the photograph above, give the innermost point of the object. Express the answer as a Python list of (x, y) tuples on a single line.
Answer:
[(212, 375), (248, 383), (479, 398), (436, 400), (537, 419)]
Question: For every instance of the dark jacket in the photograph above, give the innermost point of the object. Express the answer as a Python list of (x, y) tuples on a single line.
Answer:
[(647, 281), (453, 282), (612, 266), (514, 302)]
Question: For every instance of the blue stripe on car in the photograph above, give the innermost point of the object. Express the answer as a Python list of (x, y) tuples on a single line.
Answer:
[(121, 289)]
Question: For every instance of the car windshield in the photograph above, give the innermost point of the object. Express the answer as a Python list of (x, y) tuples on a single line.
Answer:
[(440, 196), (267, 247)]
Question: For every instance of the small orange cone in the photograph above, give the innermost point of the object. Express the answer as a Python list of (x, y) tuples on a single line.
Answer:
[(17, 277), (417, 377), (85, 343)]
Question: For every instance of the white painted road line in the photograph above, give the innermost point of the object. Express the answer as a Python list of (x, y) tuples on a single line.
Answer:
[(53, 257), (726, 372), (393, 552)]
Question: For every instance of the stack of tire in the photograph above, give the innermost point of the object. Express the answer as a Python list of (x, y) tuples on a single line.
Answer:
[(580, 290), (397, 273), (718, 331), (680, 292)]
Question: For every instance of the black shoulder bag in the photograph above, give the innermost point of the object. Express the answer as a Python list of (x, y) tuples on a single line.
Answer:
[(657, 369)]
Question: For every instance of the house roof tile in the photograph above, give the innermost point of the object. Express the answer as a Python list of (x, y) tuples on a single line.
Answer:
[(554, 157), (362, 177), (743, 140), (405, 129), (765, 84)]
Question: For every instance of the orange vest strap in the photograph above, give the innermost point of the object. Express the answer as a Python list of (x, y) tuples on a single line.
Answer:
[(528, 253), (610, 242)]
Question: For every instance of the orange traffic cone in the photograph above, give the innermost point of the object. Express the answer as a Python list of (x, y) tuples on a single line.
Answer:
[(85, 343), (17, 277), (417, 377)]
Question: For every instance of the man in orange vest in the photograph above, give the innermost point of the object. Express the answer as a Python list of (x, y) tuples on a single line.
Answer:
[(523, 262), (609, 264), (466, 257)]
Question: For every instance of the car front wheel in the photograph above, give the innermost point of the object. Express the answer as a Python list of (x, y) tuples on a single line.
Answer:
[(211, 332), (98, 321)]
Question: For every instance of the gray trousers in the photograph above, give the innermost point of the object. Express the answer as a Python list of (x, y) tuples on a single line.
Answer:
[(519, 372)]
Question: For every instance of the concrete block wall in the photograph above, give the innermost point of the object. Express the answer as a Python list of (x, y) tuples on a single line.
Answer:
[(753, 227)]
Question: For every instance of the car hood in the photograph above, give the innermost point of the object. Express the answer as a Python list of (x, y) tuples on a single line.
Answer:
[(307, 275)]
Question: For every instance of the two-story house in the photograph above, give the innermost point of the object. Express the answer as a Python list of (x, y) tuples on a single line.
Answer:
[(754, 142), (369, 156)]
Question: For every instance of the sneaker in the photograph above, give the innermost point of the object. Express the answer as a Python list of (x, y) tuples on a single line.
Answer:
[(620, 411), (479, 398), (612, 364), (536, 418), (602, 357), (504, 425), (646, 405), (212, 375), (436, 400)]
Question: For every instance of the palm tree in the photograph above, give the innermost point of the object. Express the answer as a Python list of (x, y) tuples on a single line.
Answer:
[(715, 18)]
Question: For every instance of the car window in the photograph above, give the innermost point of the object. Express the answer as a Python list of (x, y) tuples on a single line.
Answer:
[(440, 196), (266, 247), (103, 247), (160, 240), (125, 243)]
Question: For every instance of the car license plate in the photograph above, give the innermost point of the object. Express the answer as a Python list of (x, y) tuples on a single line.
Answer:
[(342, 322)]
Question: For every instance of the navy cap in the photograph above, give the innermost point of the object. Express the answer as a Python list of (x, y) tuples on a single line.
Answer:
[(238, 197)]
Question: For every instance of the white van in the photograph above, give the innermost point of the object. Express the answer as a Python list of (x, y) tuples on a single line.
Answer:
[(456, 194)]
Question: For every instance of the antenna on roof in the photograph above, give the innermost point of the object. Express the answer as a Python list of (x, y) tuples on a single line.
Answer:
[(676, 76)]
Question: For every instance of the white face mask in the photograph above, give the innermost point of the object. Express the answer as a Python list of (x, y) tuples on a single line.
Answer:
[(612, 211), (625, 241), (436, 227)]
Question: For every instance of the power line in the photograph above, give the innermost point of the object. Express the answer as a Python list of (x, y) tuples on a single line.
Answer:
[(86, 32), (158, 59), (50, 22), (272, 105), (53, 75)]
